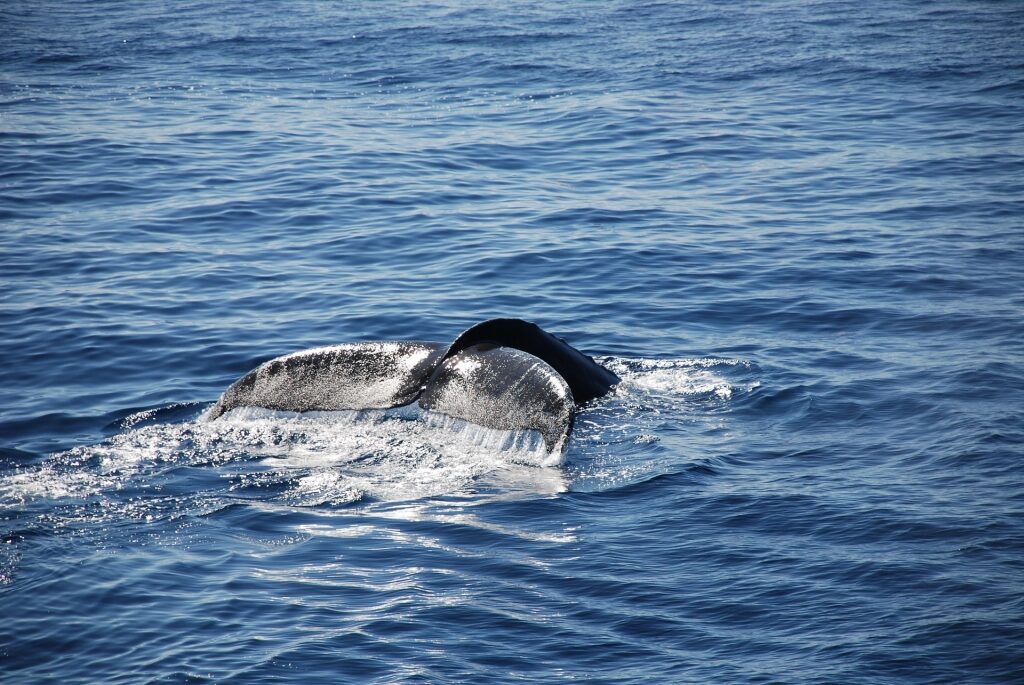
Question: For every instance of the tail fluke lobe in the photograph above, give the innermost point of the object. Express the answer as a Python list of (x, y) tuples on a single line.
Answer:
[(587, 378), (503, 388), (371, 375)]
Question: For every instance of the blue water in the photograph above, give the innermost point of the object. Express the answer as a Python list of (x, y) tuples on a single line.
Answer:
[(795, 229)]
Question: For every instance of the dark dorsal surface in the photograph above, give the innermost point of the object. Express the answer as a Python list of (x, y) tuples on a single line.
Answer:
[(504, 388), (369, 375), (585, 377)]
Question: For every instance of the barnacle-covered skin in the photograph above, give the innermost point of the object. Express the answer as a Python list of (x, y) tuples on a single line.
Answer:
[(369, 375)]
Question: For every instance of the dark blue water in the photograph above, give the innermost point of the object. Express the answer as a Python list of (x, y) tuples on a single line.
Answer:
[(795, 229)]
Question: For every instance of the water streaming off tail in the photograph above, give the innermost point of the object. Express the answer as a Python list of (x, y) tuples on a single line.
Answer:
[(343, 457)]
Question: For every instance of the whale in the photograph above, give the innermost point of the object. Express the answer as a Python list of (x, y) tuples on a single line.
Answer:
[(507, 374)]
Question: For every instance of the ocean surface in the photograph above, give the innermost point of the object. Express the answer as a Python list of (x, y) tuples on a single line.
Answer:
[(794, 229)]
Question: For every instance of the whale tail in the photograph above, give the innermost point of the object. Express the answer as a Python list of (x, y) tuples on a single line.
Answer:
[(502, 373)]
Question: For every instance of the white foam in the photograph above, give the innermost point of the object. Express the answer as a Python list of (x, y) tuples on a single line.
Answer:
[(655, 419), (324, 457), (402, 454), (679, 377)]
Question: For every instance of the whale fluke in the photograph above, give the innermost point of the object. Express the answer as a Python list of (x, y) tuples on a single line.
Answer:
[(503, 373)]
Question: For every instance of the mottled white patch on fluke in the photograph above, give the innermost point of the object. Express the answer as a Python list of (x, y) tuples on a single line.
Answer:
[(371, 375), (504, 388)]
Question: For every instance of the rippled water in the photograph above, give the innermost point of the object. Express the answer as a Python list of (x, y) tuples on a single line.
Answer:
[(794, 229)]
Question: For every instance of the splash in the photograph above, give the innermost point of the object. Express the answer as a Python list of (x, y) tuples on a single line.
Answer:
[(682, 378), (310, 458)]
